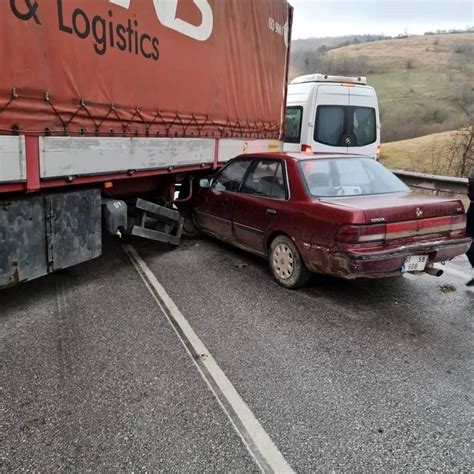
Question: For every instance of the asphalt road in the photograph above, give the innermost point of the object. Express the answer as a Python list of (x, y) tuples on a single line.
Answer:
[(343, 376)]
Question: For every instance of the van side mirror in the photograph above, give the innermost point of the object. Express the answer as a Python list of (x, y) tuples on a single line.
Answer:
[(204, 183)]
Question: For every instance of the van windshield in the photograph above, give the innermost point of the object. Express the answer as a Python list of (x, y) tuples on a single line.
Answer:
[(348, 177), (294, 115), (340, 125)]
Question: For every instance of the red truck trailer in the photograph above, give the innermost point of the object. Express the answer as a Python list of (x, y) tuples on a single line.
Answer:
[(106, 105)]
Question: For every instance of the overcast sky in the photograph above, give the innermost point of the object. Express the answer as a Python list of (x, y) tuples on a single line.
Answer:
[(317, 18)]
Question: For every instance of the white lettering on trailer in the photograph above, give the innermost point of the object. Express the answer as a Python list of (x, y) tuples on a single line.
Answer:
[(166, 12), (255, 438), (12, 159), (282, 30)]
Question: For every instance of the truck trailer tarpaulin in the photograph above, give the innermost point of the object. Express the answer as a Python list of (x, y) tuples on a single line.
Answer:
[(143, 67), (109, 109)]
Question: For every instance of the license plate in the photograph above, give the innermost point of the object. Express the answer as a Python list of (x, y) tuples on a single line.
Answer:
[(416, 263)]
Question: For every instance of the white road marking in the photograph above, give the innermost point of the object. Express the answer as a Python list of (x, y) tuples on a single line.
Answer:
[(267, 457), (449, 270), (452, 271)]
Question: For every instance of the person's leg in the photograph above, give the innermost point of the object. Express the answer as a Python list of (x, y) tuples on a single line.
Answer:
[(470, 230), (470, 256)]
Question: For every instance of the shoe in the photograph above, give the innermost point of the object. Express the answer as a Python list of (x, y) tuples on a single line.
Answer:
[(470, 283)]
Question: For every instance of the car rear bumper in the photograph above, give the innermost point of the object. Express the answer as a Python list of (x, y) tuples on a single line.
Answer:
[(349, 264)]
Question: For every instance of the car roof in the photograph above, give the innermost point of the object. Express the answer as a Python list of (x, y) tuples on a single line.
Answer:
[(304, 156)]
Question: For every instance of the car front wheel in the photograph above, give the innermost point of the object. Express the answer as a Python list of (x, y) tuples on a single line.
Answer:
[(286, 263)]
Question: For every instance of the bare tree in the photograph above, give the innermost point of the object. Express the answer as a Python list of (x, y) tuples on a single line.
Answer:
[(462, 147)]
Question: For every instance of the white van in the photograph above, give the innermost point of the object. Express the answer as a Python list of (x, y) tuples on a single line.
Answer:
[(332, 114)]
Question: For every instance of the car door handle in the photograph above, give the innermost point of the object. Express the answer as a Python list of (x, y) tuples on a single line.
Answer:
[(271, 212), (225, 202)]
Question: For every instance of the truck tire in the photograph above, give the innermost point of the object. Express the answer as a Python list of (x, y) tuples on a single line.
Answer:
[(286, 263)]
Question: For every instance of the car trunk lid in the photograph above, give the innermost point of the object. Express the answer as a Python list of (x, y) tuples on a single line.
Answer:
[(398, 207), (396, 218)]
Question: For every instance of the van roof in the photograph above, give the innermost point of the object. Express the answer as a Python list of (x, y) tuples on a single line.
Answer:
[(299, 93), (326, 78)]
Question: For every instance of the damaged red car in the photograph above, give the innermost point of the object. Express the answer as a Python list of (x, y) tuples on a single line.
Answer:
[(342, 215)]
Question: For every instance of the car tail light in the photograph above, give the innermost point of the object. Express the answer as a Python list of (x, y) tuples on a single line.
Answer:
[(361, 234), (378, 153), (458, 225), (454, 225), (307, 149), (364, 234)]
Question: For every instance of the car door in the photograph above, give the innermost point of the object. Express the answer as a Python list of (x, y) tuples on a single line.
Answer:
[(259, 202), (213, 212)]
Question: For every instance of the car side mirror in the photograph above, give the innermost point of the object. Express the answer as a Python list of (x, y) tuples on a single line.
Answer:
[(204, 183)]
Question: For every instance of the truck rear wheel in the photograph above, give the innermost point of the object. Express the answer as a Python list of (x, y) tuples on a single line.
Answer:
[(286, 263)]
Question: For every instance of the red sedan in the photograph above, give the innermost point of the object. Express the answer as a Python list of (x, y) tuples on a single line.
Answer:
[(342, 215)]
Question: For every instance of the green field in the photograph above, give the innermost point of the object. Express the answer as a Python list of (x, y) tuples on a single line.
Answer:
[(425, 84), (434, 154)]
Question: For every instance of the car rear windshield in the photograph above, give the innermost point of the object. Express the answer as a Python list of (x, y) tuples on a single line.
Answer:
[(348, 177), (340, 125)]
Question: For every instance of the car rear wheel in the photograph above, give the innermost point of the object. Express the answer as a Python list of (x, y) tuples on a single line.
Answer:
[(286, 263)]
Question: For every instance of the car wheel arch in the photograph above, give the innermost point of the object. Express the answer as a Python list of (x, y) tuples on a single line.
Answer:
[(274, 234)]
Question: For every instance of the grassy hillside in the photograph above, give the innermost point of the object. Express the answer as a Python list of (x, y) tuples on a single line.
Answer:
[(438, 153), (325, 43), (425, 84)]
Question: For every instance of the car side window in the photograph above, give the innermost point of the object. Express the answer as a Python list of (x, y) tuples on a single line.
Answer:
[(231, 176), (265, 179)]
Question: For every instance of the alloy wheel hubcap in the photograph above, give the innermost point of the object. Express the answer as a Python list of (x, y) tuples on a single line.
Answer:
[(283, 261)]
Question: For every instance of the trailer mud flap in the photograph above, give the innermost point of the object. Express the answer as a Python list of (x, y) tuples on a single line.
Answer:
[(41, 234), (22, 240), (74, 221)]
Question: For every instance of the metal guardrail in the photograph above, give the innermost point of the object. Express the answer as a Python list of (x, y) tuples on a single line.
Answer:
[(431, 182)]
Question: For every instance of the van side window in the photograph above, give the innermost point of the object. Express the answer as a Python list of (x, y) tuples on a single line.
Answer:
[(293, 119), (339, 125)]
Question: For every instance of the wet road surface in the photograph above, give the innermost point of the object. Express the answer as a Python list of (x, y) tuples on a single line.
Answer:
[(343, 375)]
